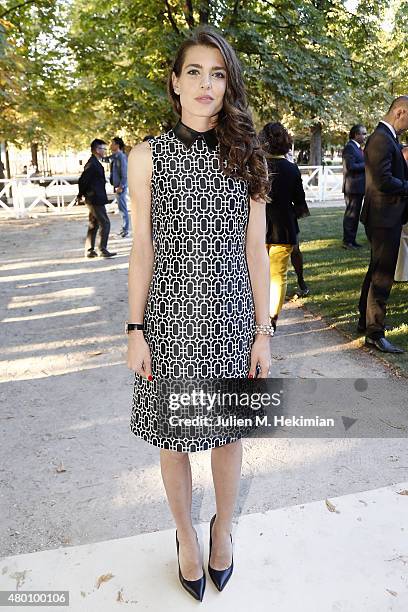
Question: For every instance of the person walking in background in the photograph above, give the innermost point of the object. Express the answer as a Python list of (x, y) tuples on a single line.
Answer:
[(401, 270), (92, 187), (118, 178), (296, 256), (384, 212), (287, 204), (353, 184)]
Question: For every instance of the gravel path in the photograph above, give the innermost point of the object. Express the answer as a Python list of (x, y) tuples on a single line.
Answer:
[(70, 470)]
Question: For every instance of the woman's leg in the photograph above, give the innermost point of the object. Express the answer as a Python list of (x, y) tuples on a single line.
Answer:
[(278, 268), (104, 224), (123, 209), (226, 463), (176, 474), (92, 229), (297, 263)]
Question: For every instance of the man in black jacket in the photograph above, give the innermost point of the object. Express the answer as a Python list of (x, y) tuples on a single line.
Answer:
[(92, 186), (384, 212), (353, 184)]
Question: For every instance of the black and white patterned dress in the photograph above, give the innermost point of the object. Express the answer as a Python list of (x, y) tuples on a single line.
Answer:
[(199, 316)]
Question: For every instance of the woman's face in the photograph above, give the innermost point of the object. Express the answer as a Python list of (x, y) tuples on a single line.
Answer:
[(202, 82)]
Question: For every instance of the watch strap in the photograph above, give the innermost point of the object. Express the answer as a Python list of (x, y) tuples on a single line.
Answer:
[(131, 326)]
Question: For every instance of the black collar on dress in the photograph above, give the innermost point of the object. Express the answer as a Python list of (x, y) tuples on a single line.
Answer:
[(188, 136)]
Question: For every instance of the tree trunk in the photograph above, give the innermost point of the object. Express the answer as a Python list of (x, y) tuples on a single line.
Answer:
[(204, 12), (3, 197), (34, 154), (8, 194), (7, 159), (316, 145), (2, 167), (189, 14)]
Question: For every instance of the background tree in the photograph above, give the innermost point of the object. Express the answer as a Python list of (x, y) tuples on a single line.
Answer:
[(42, 104), (309, 59), (98, 67), (394, 75)]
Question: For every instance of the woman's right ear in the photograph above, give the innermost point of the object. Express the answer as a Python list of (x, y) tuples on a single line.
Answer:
[(174, 81)]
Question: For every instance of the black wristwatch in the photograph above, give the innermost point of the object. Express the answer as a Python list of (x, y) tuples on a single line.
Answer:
[(131, 326)]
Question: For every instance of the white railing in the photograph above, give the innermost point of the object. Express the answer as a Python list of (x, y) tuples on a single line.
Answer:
[(322, 183), (19, 197)]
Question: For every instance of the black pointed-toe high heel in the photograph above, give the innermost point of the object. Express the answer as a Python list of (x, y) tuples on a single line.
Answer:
[(196, 588), (219, 577)]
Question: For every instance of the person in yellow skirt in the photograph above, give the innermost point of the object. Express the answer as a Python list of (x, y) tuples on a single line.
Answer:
[(287, 203)]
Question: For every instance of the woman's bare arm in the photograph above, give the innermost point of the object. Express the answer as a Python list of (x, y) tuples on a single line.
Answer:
[(258, 260), (141, 256), (258, 266)]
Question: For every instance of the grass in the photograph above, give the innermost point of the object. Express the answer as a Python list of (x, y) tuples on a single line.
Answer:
[(335, 275)]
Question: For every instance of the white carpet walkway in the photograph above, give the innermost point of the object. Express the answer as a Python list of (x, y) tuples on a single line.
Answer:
[(347, 555)]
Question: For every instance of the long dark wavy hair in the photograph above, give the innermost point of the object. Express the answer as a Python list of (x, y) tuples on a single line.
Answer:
[(275, 139), (241, 154)]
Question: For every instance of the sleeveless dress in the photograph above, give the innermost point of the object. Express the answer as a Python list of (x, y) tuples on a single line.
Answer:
[(199, 316)]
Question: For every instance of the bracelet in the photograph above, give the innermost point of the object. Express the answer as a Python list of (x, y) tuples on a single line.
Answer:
[(264, 330), (131, 326)]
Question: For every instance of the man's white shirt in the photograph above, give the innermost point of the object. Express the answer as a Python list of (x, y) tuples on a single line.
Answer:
[(389, 126)]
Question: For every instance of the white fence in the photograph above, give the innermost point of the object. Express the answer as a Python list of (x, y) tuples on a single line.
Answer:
[(21, 197), (322, 183)]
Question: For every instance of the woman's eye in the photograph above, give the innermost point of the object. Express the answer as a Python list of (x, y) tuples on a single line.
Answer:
[(217, 75)]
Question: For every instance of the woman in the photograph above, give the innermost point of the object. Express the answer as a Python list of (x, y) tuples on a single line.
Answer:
[(286, 204), (198, 279), (118, 178), (401, 270)]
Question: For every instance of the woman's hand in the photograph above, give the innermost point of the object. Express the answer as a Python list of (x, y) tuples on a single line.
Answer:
[(138, 354), (261, 354)]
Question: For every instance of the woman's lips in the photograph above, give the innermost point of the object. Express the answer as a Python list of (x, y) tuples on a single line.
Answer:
[(205, 99)]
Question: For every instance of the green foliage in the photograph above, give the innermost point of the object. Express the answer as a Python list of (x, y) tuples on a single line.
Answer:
[(38, 73), (308, 62), (396, 77), (10, 67), (87, 67)]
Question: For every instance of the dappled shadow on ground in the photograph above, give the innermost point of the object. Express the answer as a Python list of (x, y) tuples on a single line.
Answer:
[(335, 277), (73, 471), (59, 314)]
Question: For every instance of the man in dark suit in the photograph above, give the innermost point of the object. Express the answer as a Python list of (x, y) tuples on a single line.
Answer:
[(92, 186), (353, 184), (384, 212)]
